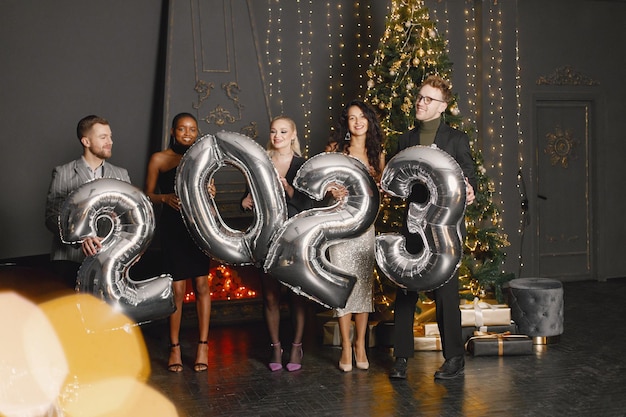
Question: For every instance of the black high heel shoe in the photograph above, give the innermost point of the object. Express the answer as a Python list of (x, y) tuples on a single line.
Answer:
[(174, 367), (199, 366)]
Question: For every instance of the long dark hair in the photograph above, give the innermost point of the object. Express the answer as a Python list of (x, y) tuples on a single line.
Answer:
[(374, 138)]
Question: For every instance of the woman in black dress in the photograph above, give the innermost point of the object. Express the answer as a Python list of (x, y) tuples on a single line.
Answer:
[(181, 256), (284, 150)]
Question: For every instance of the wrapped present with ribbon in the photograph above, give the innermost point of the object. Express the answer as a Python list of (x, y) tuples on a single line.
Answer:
[(431, 329), (478, 314), (499, 344), (427, 343), (426, 329), (467, 332)]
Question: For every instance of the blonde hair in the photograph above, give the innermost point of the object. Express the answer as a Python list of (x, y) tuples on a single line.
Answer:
[(295, 143)]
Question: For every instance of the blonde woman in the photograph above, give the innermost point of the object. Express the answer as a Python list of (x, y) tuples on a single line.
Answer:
[(284, 150)]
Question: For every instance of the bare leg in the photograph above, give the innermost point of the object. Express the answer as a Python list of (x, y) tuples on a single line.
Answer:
[(174, 363), (271, 301), (360, 320), (203, 308), (298, 305), (345, 323)]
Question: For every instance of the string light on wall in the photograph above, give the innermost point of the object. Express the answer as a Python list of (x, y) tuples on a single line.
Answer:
[(496, 126), (335, 84), (520, 154), (364, 31), (471, 64), (276, 66), (279, 58), (268, 34), (470, 59), (331, 58), (342, 61), (306, 72)]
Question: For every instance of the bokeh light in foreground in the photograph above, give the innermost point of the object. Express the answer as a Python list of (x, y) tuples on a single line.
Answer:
[(73, 356)]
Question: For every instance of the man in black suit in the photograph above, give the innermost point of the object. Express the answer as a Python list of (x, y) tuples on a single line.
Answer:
[(431, 102)]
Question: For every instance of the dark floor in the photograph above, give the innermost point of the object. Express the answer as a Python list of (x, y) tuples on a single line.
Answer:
[(582, 375)]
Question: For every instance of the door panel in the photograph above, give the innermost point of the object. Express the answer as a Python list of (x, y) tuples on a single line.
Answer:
[(563, 201)]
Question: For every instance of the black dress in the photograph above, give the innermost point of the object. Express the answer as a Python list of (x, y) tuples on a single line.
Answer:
[(182, 258), (300, 201)]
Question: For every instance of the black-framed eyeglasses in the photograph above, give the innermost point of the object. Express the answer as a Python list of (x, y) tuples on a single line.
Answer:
[(427, 100)]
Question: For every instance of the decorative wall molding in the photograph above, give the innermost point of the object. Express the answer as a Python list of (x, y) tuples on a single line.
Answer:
[(567, 75), (560, 147)]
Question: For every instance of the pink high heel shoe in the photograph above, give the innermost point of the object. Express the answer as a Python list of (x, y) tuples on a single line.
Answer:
[(276, 366), (295, 366)]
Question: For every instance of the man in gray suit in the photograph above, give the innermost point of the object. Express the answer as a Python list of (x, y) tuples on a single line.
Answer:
[(94, 133)]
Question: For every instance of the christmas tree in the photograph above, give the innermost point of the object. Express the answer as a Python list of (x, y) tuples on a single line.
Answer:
[(409, 51)]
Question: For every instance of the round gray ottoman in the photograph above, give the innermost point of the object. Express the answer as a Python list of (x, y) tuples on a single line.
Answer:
[(537, 308)]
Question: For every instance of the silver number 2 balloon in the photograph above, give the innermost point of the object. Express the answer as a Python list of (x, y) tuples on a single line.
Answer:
[(297, 256), (437, 221), (106, 274), (200, 211)]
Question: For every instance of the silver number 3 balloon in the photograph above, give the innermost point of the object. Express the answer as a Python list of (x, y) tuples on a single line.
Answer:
[(106, 274), (297, 256), (437, 220)]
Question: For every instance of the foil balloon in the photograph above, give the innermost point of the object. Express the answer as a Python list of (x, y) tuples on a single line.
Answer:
[(130, 219), (200, 212), (437, 221), (297, 256)]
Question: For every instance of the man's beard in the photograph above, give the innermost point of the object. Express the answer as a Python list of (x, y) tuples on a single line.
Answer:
[(103, 153)]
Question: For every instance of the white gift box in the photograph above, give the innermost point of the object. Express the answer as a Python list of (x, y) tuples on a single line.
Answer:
[(431, 329), (479, 313), (427, 343)]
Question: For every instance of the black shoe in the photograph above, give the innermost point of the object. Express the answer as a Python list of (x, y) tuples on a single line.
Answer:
[(399, 369), (451, 368)]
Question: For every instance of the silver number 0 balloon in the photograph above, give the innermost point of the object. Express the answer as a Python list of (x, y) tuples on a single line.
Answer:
[(200, 212), (437, 221), (106, 274), (297, 256)]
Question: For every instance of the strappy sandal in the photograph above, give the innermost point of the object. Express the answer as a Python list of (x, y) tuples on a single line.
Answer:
[(175, 367), (199, 366)]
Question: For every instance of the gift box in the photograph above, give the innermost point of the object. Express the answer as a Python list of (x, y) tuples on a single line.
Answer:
[(332, 335), (500, 345), (427, 313), (480, 313), (426, 329), (467, 332), (427, 343)]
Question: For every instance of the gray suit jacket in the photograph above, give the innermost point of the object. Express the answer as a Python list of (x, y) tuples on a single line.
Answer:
[(65, 179)]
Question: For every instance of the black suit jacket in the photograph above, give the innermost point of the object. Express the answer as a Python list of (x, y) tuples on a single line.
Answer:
[(456, 144)]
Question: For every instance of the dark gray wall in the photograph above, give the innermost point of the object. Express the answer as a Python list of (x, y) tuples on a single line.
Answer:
[(588, 36), (62, 60)]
